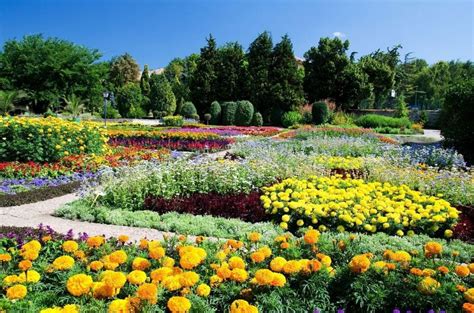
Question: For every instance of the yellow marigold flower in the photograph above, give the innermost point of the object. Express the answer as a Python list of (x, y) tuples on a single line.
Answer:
[(95, 241), (156, 253), (63, 263), (79, 284), (215, 280), (96, 266), (469, 295), (471, 268), (254, 237), (428, 286), (179, 304), (16, 292), (279, 280), (29, 254), (242, 306), (428, 272), (292, 267), (433, 248), (101, 290), (143, 243), (267, 252), (148, 292), (239, 275), (110, 265), (325, 259), (5, 257), (190, 260), (188, 279), (118, 257), (70, 246), (79, 254), (359, 264), (277, 264), (264, 276), (25, 265), (257, 256), (221, 255), (34, 245), (136, 277), (159, 274), (203, 290), (140, 263), (114, 279), (224, 272), (379, 265), (10, 279), (171, 283), (462, 270), (167, 262), (236, 262), (123, 238), (311, 236), (119, 306), (401, 256), (31, 276)]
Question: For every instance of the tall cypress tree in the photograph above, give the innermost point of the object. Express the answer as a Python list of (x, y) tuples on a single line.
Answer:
[(286, 83), (162, 98), (231, 73), (145, 82), (259, 57), (203, 82)]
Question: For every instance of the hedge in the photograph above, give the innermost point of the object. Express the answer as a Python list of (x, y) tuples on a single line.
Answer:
[(374, 121)]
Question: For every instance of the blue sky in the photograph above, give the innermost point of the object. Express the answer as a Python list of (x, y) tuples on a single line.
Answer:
[(155, 32)]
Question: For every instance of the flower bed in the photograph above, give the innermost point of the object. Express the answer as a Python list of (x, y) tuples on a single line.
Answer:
[(173, 144), (247, 207), (352, 204), (48, 139), (255, 273)]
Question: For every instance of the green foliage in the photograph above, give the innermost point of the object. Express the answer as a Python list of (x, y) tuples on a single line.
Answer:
[(257, 119), (175, 121), (342, 118), (7, 100), (129, 97), (286, 91), (207, 118), (74, 105), (259, 59), (229, 110), (145, 82), (456, 118), (401, 108), (179, 73), (374, 121), (161, 95), (231, 73), (291, 118), (48, 69), (215, 113), (46, 140), (188, 110), (244, 113), (320, 113), (276, 115), (124, 69)]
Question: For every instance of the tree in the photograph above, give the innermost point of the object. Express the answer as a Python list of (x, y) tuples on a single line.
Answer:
[(203, 82), (380, 75), (47, 69), (7, 100), (145, 81), (162, 98), (259, 57), (130, 100), (231, 73), (401, 108), (286, 85), (124, 69), (331, 74), (74, 105)]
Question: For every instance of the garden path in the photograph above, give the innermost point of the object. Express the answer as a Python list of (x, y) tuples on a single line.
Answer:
[(33, 214)]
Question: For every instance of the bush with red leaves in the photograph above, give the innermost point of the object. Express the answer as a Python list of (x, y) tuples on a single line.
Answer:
[(464, 229), (247, 207)]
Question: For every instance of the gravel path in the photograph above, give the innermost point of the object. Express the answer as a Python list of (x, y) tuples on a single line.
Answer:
[(31, 215)]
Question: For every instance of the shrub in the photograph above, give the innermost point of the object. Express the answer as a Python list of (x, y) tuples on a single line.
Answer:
[(229, 110), (374, 121), (423, 118), (457, 126), (188, 110), (136, 111), (401, 108), (320, 113), (291, 118), (47, 139), (244, 113), (175, 121), (207, 118), (341, 118), (159, 114), (257, 119), (247, 207), (129, 97), (215, 113)]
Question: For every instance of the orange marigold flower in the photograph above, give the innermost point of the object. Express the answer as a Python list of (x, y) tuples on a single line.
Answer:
[(5, 257), (203, 290), (16, 292), (123, 238), (254, 236), (462, 270), (118, 257), (468, 308), (433, 248), (257, 256), (79, 284), (70, 246), (140, 263), (178, 304), (443, 269), (156, 253), (95, 241), (96, 265), (25, 265), (148, 292), (311, 236), (359, 264)]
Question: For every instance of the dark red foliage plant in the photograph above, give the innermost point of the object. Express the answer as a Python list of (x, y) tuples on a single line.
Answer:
[(247, 207)]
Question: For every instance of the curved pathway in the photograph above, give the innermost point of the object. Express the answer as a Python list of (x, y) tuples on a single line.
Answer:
[(31, 215)]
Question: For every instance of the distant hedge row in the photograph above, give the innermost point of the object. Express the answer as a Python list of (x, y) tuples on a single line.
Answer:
[(240, 113)]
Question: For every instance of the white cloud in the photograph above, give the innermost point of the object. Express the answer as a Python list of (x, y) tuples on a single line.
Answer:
[(339, 34)]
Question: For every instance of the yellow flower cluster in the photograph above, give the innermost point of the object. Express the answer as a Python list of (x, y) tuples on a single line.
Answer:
[(242, 306), (68, 308), (352, 204), (337, 162), (164, 134)]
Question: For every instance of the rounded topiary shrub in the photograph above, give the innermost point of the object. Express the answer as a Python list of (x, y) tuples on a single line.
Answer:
[(215, 113), (291, 118), (188, 110), (229, 110), (175, 120), (48, 139), (320, 113), (244, 113), (257, 119)]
